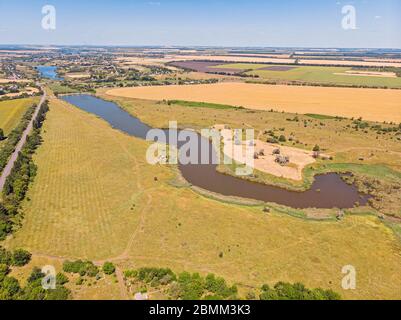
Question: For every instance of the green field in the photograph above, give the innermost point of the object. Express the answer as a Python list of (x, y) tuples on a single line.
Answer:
[(192, 104), (312, 74), (61, 89)]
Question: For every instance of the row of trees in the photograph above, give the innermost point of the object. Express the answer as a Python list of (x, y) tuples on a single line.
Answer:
[(296, 291), (185, 285), (22, 174), (14, 136), (87, 268), (193, 286)]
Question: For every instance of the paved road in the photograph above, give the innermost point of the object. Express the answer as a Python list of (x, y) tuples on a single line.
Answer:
[(7, 170)]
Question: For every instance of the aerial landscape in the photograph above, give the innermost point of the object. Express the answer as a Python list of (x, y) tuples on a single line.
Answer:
[(133, 167)]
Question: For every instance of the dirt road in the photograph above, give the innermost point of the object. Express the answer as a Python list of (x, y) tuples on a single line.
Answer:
[(7, 170)]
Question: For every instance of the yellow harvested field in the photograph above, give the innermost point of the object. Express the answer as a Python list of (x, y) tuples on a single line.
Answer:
[(370, 104), (77, 75), (12, 80)]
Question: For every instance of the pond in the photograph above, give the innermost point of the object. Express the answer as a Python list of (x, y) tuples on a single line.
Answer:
[(327, 190), (49, 72)]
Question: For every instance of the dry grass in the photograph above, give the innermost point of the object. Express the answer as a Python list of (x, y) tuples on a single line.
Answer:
[(90, 176), (371, 104), (86, 185), (11, 80)]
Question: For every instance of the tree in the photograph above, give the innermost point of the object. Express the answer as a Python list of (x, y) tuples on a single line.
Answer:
[(109, 268), (4, 270), (61, 278), (2, 137), (35, 275), (316, 148), (296, 291), (282, 138), (81, 267), (60, 293), (21, 257), (10, 288)]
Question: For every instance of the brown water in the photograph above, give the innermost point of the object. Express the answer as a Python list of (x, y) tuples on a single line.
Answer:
[(327, 191)]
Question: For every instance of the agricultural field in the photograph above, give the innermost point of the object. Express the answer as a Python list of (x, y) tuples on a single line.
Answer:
[(280, 59), (61, 89), (317, 75), (11, 111), (95, 197), (295, 99)]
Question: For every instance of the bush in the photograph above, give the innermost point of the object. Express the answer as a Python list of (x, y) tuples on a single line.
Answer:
[(109, 268), (218, 286), (35, 291), (282, 138), (35, 275), (61, 278), (271, 140), (5, 256), (4, 270), (191, 287), (156, 275), (60, 293), (130, 273), (20, 257), (81, 267), (10, 288), (316, 148)]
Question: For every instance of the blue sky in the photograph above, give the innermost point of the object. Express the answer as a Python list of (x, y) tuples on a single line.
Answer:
[(303, 23)]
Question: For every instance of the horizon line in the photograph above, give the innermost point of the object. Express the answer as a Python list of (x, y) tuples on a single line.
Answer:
[(195, 46)]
